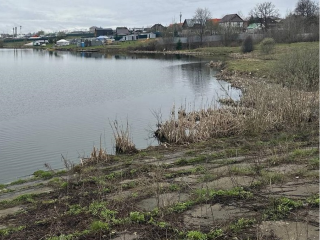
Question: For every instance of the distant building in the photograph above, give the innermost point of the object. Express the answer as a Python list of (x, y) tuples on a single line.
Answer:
[(103, 32), (158, 28), (122, 31), (231, 20), (147, 35), (92, 29)]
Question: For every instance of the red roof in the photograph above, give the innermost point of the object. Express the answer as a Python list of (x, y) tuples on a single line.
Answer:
[(172, 24), (215, 20)]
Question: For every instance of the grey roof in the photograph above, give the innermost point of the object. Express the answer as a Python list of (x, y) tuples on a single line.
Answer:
[(190, 22), (122, 30), (231, 18)]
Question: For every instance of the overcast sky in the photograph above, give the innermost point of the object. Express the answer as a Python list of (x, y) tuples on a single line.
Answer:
[(56, 15)]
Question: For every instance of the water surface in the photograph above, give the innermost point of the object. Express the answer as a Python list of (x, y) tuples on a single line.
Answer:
[(54, 103)]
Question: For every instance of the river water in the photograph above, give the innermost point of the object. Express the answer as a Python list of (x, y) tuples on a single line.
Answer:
[(61, 103)]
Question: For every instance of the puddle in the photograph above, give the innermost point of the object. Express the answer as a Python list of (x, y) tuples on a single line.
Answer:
[(209, 215), (226, 183), (289, 230), (164, 200)]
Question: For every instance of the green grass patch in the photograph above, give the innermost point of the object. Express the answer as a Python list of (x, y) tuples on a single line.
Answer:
[(181, 207), (8, 231), (280, 208), (210, 194), (43, 174), (241, 224)]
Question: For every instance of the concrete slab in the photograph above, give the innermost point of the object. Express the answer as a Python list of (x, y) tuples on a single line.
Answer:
[(127, 236), (187, 179), (288, 168), (7, 211), (13, 195), (226, 183), (293, 189), (289, 230), (209, 215), (163, 200)]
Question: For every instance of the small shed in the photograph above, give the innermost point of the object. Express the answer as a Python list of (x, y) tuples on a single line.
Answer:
[(62, 42)]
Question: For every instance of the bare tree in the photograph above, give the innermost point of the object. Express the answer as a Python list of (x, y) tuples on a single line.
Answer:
[(307, 8), (200, 19), (264, 11)]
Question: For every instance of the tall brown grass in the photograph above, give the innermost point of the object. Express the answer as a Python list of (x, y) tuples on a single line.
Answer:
[(263, 108)]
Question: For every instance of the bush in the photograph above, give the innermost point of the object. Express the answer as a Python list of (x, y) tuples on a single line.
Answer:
[(299, 69), (247, 45), (267, 45)]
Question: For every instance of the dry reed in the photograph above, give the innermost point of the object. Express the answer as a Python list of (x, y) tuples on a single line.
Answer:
[(264, 107), (123, 139)]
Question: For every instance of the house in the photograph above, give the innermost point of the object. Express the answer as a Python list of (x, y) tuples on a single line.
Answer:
[(122, 31), (131, 37), (147, 35), (158, 28), (190, 23), (103, 32), (92, 29), (231, 20)]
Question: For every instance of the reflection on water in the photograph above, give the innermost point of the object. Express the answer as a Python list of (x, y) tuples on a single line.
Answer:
[(55, 103)]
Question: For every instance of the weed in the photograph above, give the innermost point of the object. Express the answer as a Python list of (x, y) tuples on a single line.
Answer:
[(137, 217), (241, 224), (25, 198), (196, 235), (7, 231), (280, 208), (213, 234), (174, 187), (100, 210), (181, 207), (75, 209), (209, 194), (314, 163), (272, 177), (99, 226)]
